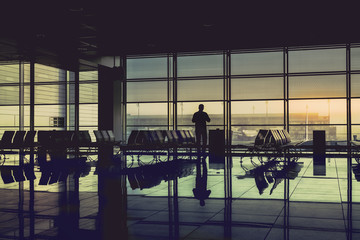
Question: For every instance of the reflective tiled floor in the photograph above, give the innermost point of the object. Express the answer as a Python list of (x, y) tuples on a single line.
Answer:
[(316, 207)]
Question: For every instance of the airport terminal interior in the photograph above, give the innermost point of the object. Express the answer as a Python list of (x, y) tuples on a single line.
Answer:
[(97, 139)]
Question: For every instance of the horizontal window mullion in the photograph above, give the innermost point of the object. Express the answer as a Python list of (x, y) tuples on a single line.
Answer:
[(146, 79), (316, 47), (296, 74), (257, 125), (322, 98), (200, 77), (242, 76), (318, 124), (147, 102)]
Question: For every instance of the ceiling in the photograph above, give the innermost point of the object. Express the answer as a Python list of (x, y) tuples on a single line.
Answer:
[(77, 36)]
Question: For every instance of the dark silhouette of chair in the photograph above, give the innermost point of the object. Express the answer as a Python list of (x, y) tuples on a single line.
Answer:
[(111, 135), (45, 176), (29, 138), (29, 172), (132, 137), (54, 176), (105, 136), (99, 137), (6, 174), (81, 138), (6, 139), (18, 174), (44, 138), (18, 140)]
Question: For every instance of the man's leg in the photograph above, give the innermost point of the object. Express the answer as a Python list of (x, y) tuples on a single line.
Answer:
[(204, 139), (198, 137)]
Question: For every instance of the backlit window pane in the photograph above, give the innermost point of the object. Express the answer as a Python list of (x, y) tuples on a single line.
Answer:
[(9, 115), (355, 85), (44, 113), (324, 111), (147, 114), (257, 88), (317, 60), (195, 90), (53, 94), (257, 63), (207, 65), (9, 73), (317, 86), (146, 68), (147, 91), (257, 112), (88, 93), (9, 95), (88, 114)]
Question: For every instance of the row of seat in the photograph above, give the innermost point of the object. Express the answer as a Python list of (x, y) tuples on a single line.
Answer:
[(272, 138), (19, 139), (148, 176), (25, 139), (10, 174), (52, 172), (160, 137)]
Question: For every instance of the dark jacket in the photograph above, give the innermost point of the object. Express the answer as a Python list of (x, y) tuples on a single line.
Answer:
[(200, 119)]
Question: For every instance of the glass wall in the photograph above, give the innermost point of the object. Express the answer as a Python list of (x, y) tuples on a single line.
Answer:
[(257, 93), (88, 102), (148, 91), (319, 75), (10, 97), (300, 89)]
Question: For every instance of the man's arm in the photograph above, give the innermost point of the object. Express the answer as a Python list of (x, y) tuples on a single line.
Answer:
[(194, 118), (207, 117)]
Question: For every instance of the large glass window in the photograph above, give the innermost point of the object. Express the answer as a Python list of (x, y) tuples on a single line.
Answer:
[(88, 98), (146, 67), (10, 89), (205, 65), (325, 114), (355, 111), (257, 112), (50, 96), (9, 73), (146, 91), (9, 95), (88, 92), (196, 90), (148, 114), (9, 115), (257, 63), (355, 58), (327, 111), (319, 60), (355, 85), (325, 86), (257, 88)]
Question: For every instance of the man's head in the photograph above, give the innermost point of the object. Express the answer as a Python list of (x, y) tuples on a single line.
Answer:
[(201, 107)]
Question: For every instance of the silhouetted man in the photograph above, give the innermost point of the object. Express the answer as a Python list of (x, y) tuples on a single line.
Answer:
[(200, 118), (200, 191)]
